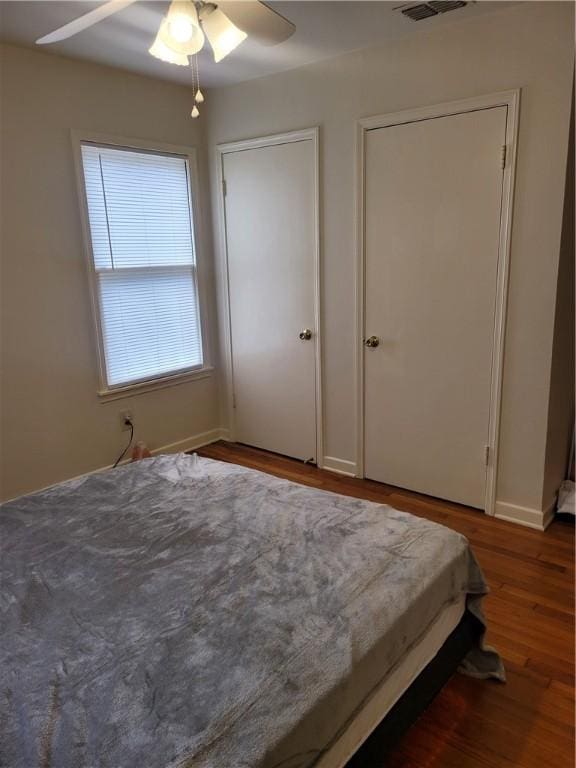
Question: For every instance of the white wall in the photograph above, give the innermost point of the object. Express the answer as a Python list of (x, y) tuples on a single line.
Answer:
[(529, 46), (53, 425)]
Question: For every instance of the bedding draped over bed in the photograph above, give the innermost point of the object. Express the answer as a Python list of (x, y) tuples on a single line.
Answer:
[(185, 613)]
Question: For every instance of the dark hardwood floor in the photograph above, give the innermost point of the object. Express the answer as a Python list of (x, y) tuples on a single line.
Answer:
[(527, 722)]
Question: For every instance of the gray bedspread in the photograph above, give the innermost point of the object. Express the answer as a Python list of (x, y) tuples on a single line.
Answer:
[(185, 613)]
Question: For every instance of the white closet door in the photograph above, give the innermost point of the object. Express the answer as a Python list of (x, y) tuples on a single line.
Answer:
[(433, 200), (270, 231)]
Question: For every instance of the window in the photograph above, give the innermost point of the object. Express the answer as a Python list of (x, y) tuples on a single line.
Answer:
[(144, 263)]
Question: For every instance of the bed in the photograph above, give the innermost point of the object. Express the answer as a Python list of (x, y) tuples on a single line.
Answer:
[(181, 612)]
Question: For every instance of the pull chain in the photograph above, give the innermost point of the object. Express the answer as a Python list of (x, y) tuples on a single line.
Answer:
[(198, 95)]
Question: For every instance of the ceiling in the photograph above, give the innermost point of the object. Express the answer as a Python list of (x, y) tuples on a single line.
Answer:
[(323, 29)]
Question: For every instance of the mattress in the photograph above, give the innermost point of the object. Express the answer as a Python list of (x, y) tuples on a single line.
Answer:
[(181, 612)]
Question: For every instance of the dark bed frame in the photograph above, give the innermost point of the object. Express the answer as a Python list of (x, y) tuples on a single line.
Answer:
[(418, 696)]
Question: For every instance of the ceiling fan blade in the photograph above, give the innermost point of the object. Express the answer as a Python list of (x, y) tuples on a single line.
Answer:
[(258, 20), (85, 21)]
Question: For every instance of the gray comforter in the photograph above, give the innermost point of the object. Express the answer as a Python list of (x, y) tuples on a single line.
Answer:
[(182, 612)]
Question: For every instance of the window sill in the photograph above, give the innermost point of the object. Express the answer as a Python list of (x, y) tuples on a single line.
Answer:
[(106, 395)]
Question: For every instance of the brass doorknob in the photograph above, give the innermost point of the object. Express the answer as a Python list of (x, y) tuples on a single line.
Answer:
[(372, 341), (306, 334)]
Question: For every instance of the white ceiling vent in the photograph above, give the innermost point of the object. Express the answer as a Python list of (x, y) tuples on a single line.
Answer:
[(433, 8)]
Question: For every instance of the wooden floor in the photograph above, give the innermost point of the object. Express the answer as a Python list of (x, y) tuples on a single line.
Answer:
[(527, 722)]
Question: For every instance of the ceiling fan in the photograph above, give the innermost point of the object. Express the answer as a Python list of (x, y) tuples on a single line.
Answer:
[(183, 30)]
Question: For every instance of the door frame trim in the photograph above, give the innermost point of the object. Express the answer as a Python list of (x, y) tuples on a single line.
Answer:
[(307, 134), (511, 100)]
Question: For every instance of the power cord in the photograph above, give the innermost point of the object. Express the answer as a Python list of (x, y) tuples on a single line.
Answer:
[(119, 459)]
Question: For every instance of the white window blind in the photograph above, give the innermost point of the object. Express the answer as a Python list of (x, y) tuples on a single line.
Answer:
[(144, 262)]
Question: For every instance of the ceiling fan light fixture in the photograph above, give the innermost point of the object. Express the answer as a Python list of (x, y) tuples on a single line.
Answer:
[(223, 35)]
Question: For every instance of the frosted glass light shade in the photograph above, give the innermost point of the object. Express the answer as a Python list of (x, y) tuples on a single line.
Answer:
[(223, 36), (161, 51), (179, 35)]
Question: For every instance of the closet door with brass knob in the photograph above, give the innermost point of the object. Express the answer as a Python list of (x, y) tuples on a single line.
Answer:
[(433, 194), (271, 239)]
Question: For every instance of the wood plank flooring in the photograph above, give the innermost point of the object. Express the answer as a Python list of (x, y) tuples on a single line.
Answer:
[(527, 722)]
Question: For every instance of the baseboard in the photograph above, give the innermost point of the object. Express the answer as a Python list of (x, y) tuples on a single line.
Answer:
[(340, 466), (549, 512), (531, 518), (191, 443)]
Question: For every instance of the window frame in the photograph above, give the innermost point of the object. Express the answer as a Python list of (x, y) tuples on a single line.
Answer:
[(115, 392)]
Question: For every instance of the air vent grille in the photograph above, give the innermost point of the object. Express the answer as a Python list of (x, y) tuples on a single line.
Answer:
[(433, 8), (444, 7), (419, 12)]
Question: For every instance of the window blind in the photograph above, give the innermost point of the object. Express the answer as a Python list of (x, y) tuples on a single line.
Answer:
[(144, 261)]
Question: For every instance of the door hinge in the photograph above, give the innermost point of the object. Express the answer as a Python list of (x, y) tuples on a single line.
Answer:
[(224, 189), (487, 455), (504, 153)]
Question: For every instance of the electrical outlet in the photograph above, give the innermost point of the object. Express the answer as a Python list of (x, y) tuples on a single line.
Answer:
[(126, 416)]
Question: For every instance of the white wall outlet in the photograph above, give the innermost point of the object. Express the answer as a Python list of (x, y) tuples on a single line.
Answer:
[(126, 416)]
